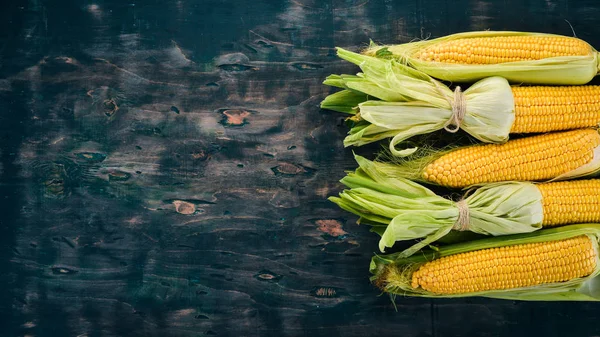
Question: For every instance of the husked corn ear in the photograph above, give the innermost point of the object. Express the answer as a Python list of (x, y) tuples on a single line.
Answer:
[(508, 267), (543, 109), (534, 158), (501, 49), (570, 202)]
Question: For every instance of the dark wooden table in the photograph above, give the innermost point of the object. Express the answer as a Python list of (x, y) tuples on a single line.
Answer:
[(164, 168)]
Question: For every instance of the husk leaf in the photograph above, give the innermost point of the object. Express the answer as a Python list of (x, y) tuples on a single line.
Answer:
[(345, 101)]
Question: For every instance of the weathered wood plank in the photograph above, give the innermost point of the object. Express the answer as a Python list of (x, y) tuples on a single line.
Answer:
[(164, 169)]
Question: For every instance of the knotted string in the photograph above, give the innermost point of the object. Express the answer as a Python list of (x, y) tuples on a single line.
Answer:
[(459, 107), (463, 220), (464, 217)]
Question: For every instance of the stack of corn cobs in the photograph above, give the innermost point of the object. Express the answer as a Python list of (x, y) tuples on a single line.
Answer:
[(527, 182)]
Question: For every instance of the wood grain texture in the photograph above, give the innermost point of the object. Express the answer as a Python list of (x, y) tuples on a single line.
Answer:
[(164, 168)]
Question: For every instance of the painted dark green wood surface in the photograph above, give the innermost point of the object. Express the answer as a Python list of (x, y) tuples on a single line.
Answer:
[(164, 167)]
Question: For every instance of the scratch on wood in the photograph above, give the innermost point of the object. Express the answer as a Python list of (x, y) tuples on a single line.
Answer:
[(237, 217), (138, 76), (57, 140), (28, 325), (149, 237), (352, 7), (283, 43), (305, 6)]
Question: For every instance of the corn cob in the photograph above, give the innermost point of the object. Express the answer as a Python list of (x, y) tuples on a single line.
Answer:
[(518, 56), (543, 109), (502, 49), (550, 264), (508, 267), (534, 158), (570, 202)]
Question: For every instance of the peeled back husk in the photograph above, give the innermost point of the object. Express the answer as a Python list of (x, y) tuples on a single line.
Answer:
[(416, 167), (562, 70), (578, 289)]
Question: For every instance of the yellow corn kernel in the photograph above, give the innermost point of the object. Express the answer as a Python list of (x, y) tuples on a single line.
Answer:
[(542, 109), (570, 202), (508, 267), (533, 158), (501, 49)]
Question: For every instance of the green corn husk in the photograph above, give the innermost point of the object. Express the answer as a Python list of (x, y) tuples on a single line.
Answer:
[(400, 209), (578, 289), (345, 101), (412, 103), (564, 70)]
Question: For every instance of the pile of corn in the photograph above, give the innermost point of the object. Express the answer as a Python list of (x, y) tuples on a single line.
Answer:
[(535, 121)]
